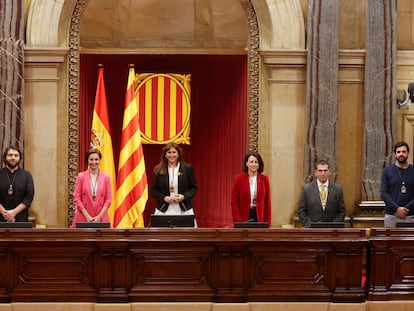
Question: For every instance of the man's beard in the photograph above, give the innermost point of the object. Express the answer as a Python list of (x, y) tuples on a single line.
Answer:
[(12, 165), (402, 160)]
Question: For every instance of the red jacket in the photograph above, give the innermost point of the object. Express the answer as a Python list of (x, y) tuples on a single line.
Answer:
[(240, 198)]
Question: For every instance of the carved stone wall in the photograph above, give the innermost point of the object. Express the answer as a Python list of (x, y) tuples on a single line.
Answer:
[(322, 84), (11, 73), (380, 93)]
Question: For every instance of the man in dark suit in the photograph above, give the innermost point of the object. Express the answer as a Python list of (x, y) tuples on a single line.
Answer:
[(321, 200)]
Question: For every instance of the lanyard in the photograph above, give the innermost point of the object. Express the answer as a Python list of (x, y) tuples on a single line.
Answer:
[(10, 190)]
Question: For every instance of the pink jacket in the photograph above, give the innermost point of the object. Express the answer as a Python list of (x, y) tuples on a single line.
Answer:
[(82, 196)]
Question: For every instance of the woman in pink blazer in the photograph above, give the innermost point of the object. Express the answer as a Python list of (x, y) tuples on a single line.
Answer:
[(250, 196), (93, 194)]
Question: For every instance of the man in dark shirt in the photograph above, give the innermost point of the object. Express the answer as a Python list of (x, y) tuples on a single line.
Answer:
[(16, 188), (397, 188)]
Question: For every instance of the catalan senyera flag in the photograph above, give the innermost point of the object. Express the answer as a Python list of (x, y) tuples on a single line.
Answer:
[(101, 135), (132, 186)]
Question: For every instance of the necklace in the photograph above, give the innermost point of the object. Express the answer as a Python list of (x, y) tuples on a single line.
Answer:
[(94, 185), (10, 190), (403, 187)]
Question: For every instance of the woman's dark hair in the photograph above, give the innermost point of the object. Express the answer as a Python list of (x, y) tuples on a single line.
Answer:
[(92, 151), (162, 166), (259, 159), (11, 147)]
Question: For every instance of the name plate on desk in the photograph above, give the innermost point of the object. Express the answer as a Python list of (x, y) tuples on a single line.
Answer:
[(327, 225), (17, 224), (251, 224), (404, 224), (171, 221), (93, 225)]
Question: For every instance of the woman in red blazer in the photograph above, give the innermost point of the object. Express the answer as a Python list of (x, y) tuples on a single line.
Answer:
[(250, 196), (93, 194)]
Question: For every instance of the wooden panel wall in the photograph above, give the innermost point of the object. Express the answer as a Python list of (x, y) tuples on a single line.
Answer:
[(226, 265), (391, 264)]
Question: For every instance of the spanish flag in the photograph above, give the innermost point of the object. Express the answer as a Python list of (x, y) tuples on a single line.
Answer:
[(132, 186), (101, 134)]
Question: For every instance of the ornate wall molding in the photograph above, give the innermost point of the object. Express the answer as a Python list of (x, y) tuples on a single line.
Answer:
[(254, 71), (73, 102)]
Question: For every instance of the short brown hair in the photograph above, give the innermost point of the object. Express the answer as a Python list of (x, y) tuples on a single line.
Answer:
[(92, 151), (322, 162)]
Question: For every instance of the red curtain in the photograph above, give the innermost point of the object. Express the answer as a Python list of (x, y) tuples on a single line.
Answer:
[(218, 120)]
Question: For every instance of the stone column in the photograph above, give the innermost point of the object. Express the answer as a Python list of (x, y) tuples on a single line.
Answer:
[(11, 73), (322, 84), (379, 108), (46, 93), (380, 93), (46, 136)]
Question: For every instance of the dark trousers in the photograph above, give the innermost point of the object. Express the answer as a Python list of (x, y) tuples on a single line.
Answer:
[(252, 214)]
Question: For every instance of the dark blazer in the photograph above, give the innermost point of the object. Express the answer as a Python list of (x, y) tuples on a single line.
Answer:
[(187, 186), (310, 206)]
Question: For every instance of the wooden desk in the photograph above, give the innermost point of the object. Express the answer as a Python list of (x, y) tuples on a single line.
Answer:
[(391, 264), (217, 265)]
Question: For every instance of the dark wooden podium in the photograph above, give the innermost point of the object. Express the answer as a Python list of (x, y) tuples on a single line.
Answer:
[(213, 265), (391, 264)]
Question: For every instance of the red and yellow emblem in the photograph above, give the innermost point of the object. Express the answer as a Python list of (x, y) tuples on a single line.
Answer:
[(96, 139), (164, 107)]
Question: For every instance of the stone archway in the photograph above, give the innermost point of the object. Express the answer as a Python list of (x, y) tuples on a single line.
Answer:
[(54, 27)]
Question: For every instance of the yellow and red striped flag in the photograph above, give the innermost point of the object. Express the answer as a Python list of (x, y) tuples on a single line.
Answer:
[(132, 186), (101, 134)]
